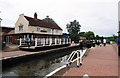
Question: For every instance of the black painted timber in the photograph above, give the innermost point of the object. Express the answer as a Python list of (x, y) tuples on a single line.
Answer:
[(10, 62), (41, 48)]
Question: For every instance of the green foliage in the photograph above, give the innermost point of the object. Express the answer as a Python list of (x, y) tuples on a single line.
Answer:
[(90, 35), (113, 38), (97, 37), (74, 29), (74, 37), (81, 33)]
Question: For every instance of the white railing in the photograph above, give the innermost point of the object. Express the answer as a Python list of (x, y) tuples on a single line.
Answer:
[(48, 41), (22, 41), (79, 53)]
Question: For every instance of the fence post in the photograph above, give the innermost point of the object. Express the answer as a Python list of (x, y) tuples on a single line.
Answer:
[(64, 41), (43, 41), (55, 41), (24, 37), (50, 41), (67, 40), (46, 40), (31, 37), (60, 40), (20, 41), (35, 42)]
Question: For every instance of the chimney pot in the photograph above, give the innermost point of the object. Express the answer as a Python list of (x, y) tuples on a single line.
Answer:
[(35, 15), (47, 16)]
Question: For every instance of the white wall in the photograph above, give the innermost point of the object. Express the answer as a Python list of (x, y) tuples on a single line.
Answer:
[(21, 21)]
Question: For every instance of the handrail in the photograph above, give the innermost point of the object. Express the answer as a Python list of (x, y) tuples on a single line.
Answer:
[(73, 55), (79, 57), (70, 55)]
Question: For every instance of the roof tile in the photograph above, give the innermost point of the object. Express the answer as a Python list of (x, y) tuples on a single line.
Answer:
[(42, 23)]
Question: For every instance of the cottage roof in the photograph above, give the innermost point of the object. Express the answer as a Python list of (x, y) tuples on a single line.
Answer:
[(42, 23)]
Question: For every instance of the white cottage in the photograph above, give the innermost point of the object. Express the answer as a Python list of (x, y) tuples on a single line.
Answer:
[(36, 28)]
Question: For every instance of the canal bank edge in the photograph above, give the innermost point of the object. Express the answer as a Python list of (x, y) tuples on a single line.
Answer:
[(11, 61), (53, 73)]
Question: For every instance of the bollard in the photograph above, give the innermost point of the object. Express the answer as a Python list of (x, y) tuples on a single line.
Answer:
[(20, 41), (35, 42)]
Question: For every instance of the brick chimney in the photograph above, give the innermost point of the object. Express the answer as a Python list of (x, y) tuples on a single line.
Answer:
[(35, 15)]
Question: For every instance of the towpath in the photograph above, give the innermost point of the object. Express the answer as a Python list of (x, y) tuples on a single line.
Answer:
[(101, 61)]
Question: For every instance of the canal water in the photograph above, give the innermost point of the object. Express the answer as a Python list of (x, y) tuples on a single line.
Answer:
[(40, 66)]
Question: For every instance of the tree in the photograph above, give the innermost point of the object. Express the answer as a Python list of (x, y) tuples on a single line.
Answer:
[(74, 29), (81, 33), (97, 37), (112, 38), (90, 35)]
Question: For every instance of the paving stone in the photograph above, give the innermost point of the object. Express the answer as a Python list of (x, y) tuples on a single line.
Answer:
[(101, 61)]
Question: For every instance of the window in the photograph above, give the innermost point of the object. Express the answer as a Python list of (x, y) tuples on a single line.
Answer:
[(38, 29), (20, 28), (56, 31), (48, 30)]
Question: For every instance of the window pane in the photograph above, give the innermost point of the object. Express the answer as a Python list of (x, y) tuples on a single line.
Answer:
[(20, 28), (49, 30), (56, 31), (38, 29)]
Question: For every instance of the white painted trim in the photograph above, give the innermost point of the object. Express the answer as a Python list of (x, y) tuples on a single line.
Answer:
[(53, 72)]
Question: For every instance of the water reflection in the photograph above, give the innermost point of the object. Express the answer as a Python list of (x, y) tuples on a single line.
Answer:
[(39, 67)]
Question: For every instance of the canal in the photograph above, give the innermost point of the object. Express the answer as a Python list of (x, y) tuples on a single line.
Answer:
[(40, 66)]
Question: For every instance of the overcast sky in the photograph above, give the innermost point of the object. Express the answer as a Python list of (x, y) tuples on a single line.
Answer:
[(99, 16)]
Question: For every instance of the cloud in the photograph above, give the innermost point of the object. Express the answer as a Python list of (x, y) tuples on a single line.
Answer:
[(99, 16)]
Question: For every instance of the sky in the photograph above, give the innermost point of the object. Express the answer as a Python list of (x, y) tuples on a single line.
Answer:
[(99, 16)]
